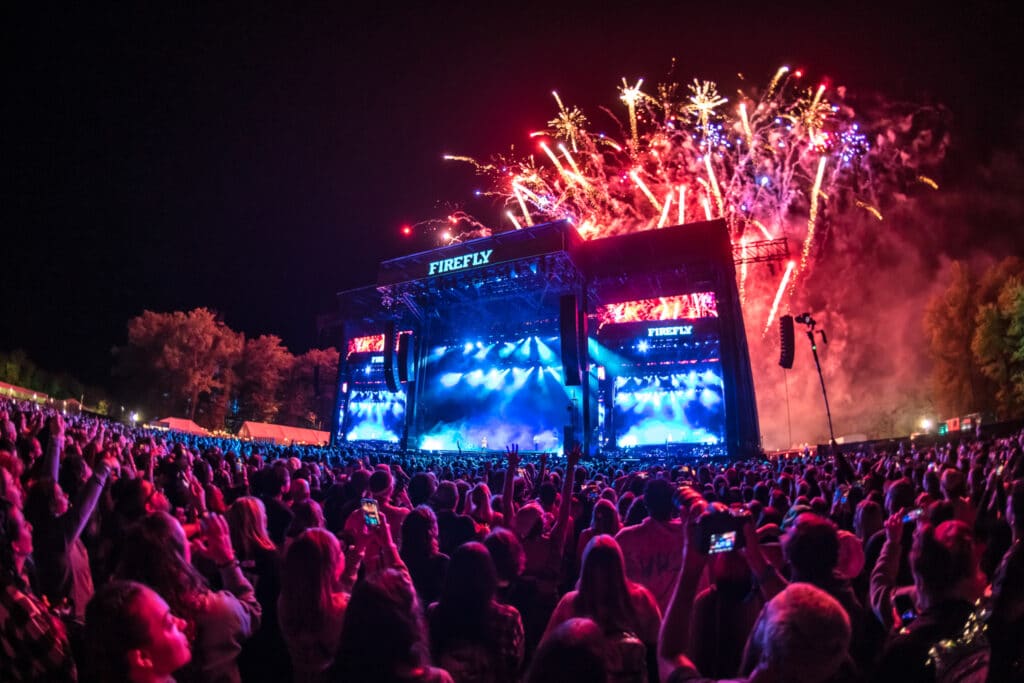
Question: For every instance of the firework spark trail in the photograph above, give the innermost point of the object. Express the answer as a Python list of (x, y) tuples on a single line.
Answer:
[(631, 96), (643, 188), (518, 191), (512, 217), (764, 231), (778, 296), (870, 209), (783, 70), (747, 133), (812, 218), (714, 185), (579, 177), (782, 153), (664, 210)]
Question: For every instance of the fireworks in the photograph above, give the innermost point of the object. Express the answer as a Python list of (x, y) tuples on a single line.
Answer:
[(782, 162)]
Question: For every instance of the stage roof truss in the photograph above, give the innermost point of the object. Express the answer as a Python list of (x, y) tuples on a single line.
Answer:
[(763, 251)]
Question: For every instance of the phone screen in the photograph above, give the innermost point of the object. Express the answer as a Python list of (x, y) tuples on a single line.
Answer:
[(722, 543), (912, 515), (370, 513)]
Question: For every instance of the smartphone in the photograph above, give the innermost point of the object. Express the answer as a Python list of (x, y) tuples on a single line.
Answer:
[(845, 497), (912, 515), (999, 471), (371, 515), (521, 472), (722, 543)]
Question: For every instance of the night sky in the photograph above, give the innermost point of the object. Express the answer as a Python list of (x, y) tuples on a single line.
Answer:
[(256, 161)]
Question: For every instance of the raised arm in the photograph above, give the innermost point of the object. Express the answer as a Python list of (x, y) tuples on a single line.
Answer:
[(884, 573), (216, 543), (512, 460), (78, 516), (561, 527), (674, 638), (51, 466)]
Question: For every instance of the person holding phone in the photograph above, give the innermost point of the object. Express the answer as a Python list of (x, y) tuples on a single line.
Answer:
[(780, 637), (947, 583)]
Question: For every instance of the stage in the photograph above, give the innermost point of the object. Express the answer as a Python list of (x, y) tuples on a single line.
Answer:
[(540, 338)]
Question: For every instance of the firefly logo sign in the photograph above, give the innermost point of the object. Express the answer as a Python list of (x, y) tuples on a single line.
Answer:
[(677, 331), (477, 258)]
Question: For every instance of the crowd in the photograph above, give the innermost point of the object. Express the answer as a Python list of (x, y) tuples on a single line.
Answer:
[(130, 555)]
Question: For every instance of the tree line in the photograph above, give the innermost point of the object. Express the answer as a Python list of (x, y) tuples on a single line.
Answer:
[(975, 330), (192, 364)]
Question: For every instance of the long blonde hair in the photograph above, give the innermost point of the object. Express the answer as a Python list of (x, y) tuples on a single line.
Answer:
[(247, 520), (480, 504)]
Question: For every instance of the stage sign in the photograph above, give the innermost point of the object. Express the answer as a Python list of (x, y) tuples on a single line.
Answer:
[(478, 253)]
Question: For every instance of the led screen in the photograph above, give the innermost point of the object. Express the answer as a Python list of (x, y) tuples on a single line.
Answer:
[(373, 412), (487, 394), (675, 407)]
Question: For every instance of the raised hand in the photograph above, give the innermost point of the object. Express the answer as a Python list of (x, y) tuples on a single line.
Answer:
[(216, 540), (512, 455), (57, 425), (574, 456), (894, 528)]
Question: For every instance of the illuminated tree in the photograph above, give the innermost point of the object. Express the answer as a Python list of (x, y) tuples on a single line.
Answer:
[(265, 361), (188, 355), (949, 321), (308, 388), (998, 346)]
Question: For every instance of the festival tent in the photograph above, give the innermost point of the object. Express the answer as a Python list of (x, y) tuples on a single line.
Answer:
[(21, 393), (282, 435), (180, 424)]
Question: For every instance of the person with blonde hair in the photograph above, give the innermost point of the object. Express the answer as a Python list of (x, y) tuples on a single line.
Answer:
[(260, 562), (478, 506), (311, 606)]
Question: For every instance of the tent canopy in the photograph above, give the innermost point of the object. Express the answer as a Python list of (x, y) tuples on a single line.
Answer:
[(282, 435), (181, 424)]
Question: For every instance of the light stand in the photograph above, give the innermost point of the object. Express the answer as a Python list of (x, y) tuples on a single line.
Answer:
[(806, 319)]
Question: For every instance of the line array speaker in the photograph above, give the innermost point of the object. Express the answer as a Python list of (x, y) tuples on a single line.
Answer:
[(389, 356), (568, 328)]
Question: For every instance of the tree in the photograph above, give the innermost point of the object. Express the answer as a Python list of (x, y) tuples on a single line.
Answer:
[(998, 346), (187, 356), (265, 361), (308, 388), (948, 321)]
